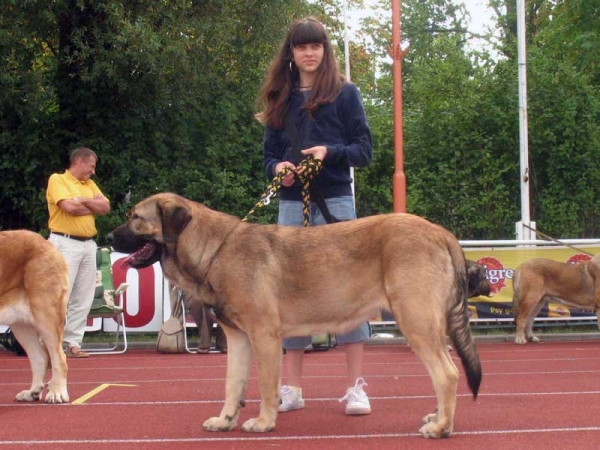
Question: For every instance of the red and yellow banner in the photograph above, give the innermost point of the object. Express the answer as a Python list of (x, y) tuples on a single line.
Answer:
[(500, 264)]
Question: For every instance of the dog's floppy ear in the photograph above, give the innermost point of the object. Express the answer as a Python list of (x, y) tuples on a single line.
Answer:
[(478, 283), (473, 273), (174, 216)]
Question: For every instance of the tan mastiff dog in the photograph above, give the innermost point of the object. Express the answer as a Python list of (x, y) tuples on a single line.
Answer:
[(542, 280), (34, 282), (265, 282)]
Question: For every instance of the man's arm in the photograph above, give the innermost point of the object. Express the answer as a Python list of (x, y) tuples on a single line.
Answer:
[(99, 205)]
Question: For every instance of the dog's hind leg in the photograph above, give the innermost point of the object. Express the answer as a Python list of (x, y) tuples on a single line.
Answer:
[(530, 306), (239, 362), (57, 386), (444, 375), (428, 342), (531, 320), (38, 360), (528, 301)]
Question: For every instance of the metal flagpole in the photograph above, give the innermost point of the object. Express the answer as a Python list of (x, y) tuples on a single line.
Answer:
[(524, 226), (347, 73), (396, 52), (346, 44)]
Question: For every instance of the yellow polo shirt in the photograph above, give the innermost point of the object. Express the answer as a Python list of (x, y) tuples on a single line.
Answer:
[(65, 186)]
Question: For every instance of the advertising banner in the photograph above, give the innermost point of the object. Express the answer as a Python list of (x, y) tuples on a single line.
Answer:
[(500, 264)]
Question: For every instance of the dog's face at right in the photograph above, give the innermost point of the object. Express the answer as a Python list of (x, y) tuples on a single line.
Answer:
[(143, 252), (154, 223)]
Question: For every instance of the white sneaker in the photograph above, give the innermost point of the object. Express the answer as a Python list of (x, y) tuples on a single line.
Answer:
[(290, 399), (358, 402)]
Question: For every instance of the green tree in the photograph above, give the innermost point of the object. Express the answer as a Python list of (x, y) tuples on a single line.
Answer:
[(164, 92)]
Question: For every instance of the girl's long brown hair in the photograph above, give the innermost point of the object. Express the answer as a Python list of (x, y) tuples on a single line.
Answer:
[(283, 76)]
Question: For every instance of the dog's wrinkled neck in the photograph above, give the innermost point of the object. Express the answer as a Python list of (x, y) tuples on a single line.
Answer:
[(204, 278)]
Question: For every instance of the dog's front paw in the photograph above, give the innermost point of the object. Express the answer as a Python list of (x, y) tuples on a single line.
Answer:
[(218, 424), (435, 430), (520, 340), (29, 396), (57, 396), (258, 425)]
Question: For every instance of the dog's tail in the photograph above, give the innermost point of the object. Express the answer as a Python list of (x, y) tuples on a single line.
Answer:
[(459, 329)]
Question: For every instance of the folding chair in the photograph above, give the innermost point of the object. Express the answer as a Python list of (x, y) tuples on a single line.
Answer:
[(108, 304)]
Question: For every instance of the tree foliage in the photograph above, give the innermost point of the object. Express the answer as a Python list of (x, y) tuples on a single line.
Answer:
[(164, 92), (461, 117)]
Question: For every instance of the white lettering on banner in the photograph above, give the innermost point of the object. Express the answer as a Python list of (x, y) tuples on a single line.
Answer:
[(495, 275)]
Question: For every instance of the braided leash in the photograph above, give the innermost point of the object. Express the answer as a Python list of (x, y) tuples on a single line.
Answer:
[(311, 166)]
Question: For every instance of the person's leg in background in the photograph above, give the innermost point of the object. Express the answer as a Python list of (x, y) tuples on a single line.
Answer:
[(81, 260), (199, 314), (342, 208), (354, 344), (220, 339), (290, 214), (291, 392)]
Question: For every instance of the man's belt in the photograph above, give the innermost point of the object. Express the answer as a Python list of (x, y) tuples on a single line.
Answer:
[(70, 236)]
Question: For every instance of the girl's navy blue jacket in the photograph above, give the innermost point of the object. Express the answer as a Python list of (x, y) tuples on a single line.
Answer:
[(341, 126)]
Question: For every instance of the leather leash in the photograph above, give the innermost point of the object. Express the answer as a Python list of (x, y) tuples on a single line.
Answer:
[(311, 166), (550, 238)]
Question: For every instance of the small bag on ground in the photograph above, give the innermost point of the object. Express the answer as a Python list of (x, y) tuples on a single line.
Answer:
[(171, 337)]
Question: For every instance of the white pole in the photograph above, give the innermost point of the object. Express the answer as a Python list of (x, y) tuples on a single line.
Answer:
[(346, 46), (522, 231), (347, 66)]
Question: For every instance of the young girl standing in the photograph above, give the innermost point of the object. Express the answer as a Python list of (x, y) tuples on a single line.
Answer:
[(304, 83)]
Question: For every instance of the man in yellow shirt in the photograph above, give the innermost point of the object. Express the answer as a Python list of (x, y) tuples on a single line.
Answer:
[(74, 201)]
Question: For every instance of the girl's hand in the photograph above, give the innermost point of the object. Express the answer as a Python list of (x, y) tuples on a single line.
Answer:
[(319, 152), (288, 178)]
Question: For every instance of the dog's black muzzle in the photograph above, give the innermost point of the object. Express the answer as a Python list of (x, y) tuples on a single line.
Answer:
[(122, 240)]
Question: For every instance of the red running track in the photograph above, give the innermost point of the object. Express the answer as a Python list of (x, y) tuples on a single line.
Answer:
[(536, 396)]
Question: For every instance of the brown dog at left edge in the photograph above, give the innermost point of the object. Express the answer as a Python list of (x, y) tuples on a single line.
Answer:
[(34, 283), (266, 282)]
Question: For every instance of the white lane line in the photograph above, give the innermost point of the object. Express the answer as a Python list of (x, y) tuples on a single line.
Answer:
[(292, 438)]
